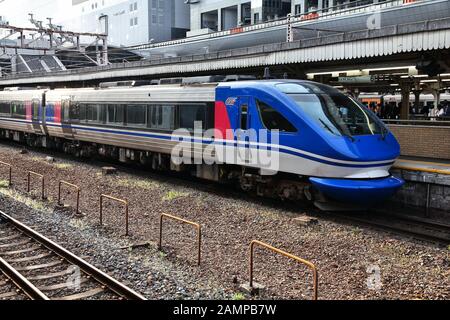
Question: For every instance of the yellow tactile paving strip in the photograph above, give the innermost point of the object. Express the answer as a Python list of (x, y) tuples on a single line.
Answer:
[(424, 166)]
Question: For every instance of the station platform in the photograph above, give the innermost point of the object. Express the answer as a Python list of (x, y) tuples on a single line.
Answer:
[(423, 165), (427, 183)]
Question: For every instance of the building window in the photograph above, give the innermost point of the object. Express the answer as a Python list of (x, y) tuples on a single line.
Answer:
[(135, 21), (135, 6), (154, 4), (210, 20), (256, 18), (154, 19)]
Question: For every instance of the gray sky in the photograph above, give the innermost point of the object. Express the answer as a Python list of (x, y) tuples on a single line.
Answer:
[(16, 11)]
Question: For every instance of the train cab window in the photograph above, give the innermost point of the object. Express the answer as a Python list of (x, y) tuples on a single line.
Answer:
[(18, 109), (162, 117), (136, 115), (190, 114), (272, 119), (115, 114), (332, 110), (5, 108)]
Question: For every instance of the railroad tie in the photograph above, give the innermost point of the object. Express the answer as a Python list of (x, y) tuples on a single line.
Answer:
[(84, 295)]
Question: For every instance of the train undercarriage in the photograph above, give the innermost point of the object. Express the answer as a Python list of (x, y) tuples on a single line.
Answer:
[(280, 186)]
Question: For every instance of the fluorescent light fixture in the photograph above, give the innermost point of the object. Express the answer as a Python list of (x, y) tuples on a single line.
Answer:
[(389, 68), (416, 76)]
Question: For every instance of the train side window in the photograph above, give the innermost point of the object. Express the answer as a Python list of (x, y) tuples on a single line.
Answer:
[(35, 109), (136, 115), (65, 105), (190, 114), (244, 117), (115, 114), (5, 108), (92, 113), (162, 117), (18, 110), (272, 119), (82, 112), (74, 112)]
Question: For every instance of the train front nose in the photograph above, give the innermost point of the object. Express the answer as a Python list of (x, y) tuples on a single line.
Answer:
[(365, 193)]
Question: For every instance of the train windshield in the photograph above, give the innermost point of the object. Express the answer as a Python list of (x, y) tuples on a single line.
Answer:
[(332, 110)]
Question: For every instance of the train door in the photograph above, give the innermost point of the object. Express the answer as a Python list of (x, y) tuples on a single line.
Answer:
[(243, 132), (35, 115), (66, 104)]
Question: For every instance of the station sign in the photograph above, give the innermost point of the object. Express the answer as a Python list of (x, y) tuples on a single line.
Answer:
[(359, 79)]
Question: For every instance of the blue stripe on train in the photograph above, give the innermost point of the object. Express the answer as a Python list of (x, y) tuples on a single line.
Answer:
[(235, 144)]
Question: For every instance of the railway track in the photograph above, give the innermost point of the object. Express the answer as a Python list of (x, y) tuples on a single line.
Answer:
[(416, 227), (34, 267)]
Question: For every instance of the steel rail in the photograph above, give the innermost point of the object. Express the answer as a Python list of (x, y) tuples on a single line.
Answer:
[(422, 229), (112, 284), (21, 282)]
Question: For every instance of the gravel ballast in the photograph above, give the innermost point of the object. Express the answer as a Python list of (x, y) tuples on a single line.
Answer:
[(348, 257)]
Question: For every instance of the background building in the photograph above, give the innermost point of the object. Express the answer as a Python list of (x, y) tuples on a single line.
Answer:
[(219, 15), (132, 22)]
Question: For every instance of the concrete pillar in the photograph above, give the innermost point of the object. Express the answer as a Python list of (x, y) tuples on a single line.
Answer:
[(320, 5), (404, 110), (219, 19), (239, 15), (303, 4), (437, 101), (332, 3), (417, 94)]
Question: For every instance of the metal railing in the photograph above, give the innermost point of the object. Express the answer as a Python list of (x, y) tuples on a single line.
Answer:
[(124, 202), (10, 172), (310, 265), (70, 185), (196, 225), (40, 176)]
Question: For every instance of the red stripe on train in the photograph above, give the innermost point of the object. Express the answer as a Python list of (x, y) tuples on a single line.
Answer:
[(57, 112), (222, 120)]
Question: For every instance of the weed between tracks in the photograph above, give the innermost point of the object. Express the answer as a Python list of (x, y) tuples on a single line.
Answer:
[(63, 166), (131, 183), (173, 195), (238, 297), (34, 204), (4, 184)]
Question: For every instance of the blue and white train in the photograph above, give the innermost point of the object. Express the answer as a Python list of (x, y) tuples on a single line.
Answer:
[(329, 148)]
